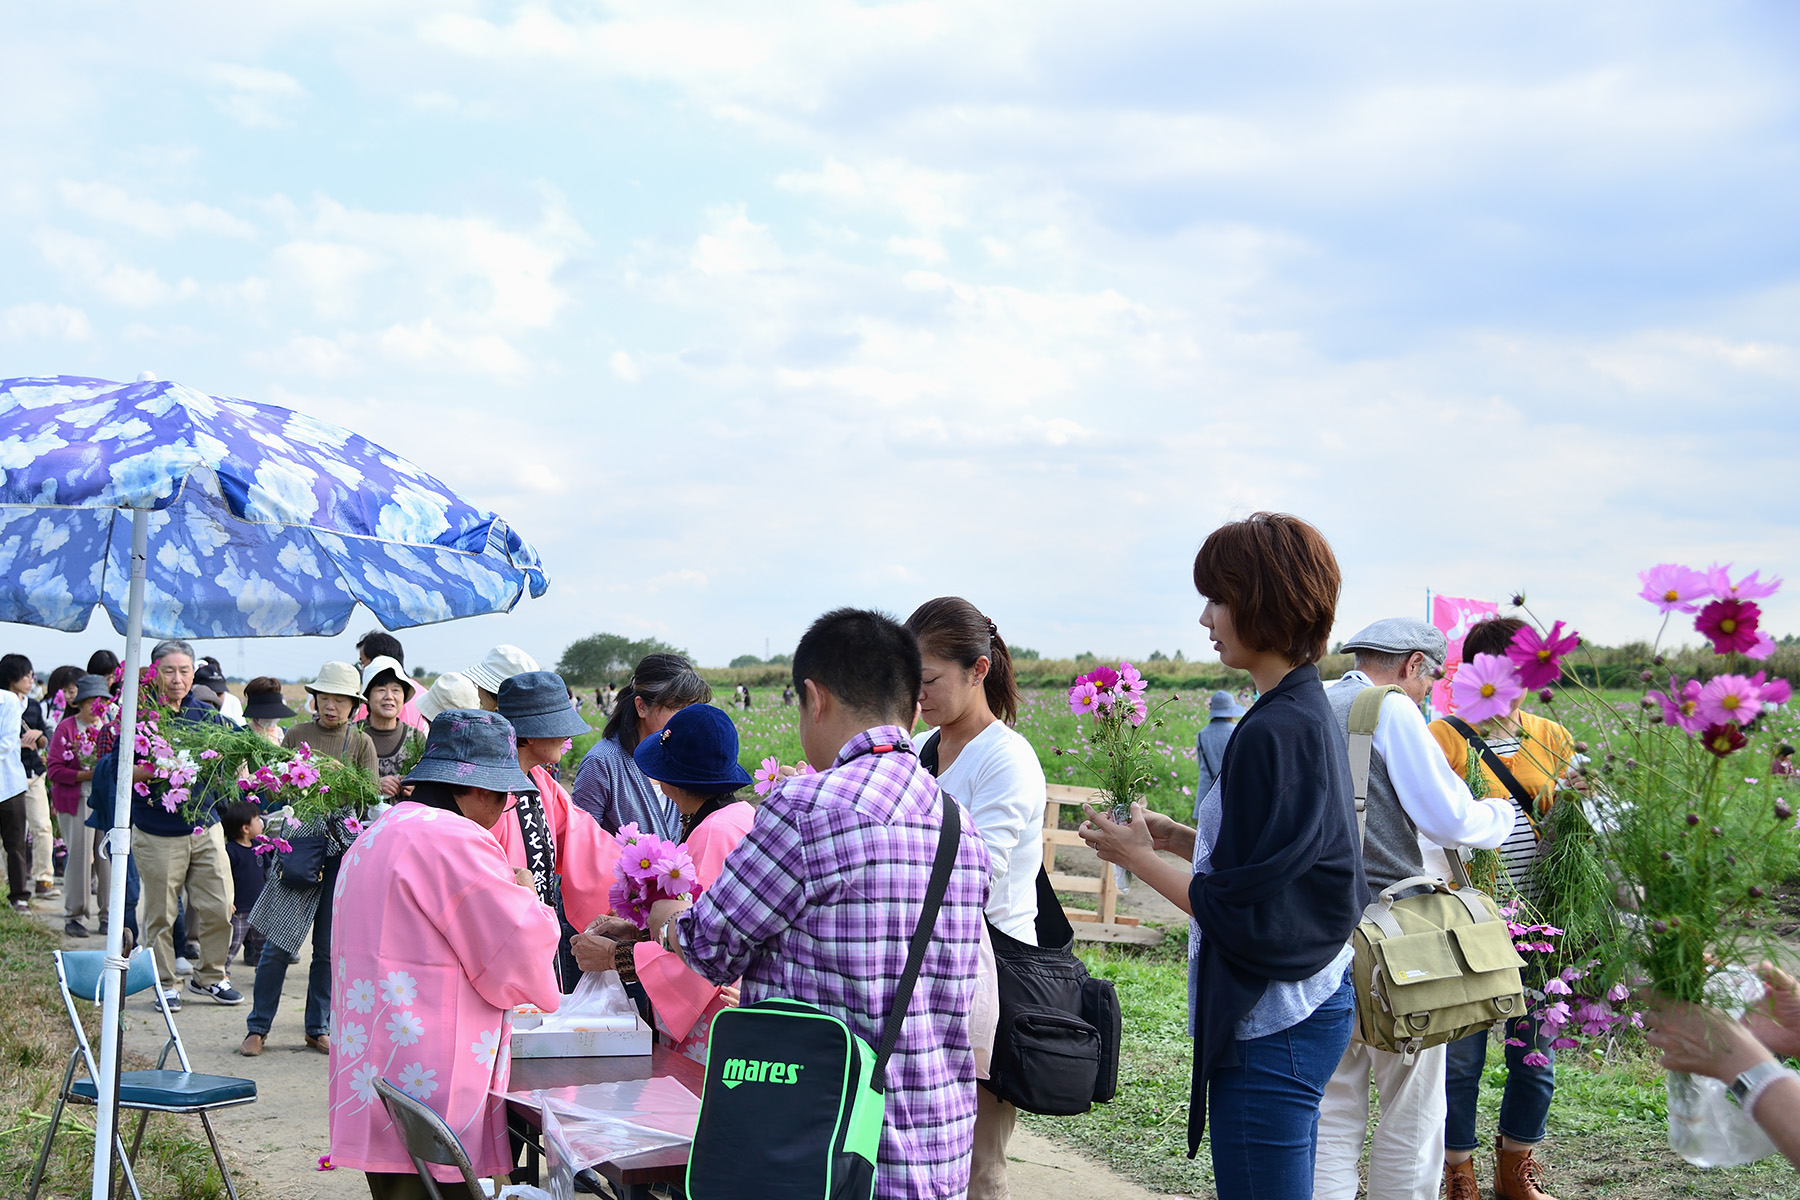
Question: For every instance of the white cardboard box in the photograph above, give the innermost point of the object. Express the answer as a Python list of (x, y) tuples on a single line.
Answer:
[(604, 1037)]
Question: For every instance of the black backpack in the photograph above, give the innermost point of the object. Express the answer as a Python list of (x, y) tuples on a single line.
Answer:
[(1056, 1051)]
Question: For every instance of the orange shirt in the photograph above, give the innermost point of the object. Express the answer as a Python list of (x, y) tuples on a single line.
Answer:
[(1542, 759)]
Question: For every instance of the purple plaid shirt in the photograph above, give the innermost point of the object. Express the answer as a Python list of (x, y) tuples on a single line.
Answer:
[(818, 904)]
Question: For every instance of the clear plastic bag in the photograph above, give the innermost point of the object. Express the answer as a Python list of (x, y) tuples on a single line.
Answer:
[(1706, 1127)]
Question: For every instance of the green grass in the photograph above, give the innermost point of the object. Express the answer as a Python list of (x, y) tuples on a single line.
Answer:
[(35, 1041), (1608, 1133)]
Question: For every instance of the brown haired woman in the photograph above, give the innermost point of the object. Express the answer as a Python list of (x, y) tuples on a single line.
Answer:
[(608, 785), (969, 698), (1277, 885)]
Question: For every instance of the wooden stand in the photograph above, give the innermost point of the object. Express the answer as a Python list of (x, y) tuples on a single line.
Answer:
[(1106, 925)]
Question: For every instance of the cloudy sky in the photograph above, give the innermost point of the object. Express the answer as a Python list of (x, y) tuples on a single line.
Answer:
[(740, 312)]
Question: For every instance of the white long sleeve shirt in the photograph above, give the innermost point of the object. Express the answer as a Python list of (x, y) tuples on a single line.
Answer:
[(1433, 795), (999, 780)]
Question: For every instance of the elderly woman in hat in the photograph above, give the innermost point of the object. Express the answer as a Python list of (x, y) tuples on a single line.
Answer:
[(447, 938), (694, 759), (71, 770), (450, 690), (546, 834), (1209, 744), (387, 689), (290, 906)]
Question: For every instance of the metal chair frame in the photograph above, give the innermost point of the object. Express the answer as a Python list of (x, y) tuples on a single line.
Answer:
[(140, 974), (416, 1122)]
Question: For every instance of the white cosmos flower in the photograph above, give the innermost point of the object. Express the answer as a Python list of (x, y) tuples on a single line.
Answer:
[(399, 988), (405, 1029), (360, 996), (353, 1040), (362, 1082), (486, 1047), (417, 1082)]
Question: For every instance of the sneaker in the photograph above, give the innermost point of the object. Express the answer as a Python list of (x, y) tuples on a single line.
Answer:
[(173, 996), (183, 966), (47, 890), (74, 928), (21, 906), (221, 991)]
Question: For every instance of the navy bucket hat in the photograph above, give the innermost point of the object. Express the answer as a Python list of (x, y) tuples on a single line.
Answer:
[(696, 752), (470, 748), (537, 704)]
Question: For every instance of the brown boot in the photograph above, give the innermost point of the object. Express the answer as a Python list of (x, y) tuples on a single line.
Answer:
[(253, 1045), (1517, 1175), (1459, 1181)]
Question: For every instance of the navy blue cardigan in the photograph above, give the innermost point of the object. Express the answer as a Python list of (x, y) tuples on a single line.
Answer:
[(1286, 887)]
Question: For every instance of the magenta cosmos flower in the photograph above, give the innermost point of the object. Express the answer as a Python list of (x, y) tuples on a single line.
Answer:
[(1673, 588), (1773, 692), (1084, 698), (1729, 700), (1538, 657), (1681, 708), (1750, 587), (1485, 688), (1731, 624), (1722, 740), (1765, 646)]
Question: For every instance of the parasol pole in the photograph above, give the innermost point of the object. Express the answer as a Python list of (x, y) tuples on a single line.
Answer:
[(113, 984)]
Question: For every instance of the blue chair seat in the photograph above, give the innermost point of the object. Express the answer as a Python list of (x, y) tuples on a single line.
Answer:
[(172, 1089)]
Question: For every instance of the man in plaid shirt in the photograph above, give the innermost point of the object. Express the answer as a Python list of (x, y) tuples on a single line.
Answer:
[(820, 899)]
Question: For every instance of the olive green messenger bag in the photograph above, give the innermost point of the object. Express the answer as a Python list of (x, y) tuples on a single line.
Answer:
[(1433, 962)]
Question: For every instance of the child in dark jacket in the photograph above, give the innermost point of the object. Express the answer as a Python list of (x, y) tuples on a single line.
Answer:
[(249, 872)]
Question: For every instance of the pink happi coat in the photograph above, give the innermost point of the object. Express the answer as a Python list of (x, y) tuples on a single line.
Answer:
[(585, 853), (684, 1002), (433, 943)]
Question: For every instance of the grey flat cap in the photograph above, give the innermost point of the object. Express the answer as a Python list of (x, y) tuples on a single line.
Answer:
[(1402, 635)]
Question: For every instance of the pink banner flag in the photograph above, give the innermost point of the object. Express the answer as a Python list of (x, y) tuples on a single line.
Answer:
[(1455, 615)]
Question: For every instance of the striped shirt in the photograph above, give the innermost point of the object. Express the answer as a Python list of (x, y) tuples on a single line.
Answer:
[(818, 903), (1520, 848)]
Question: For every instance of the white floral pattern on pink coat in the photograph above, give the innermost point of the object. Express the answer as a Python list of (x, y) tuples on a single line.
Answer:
[(433, 943)]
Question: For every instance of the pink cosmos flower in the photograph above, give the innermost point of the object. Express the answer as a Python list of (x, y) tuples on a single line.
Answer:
[(1485, 688), (209, 754), (1538, 657), (1729, 700), (1104, 678), (767, 775), (199, 831), (802, 767), (1772, 693), (1682, 708), (629, 834), (1084, 698), (677, 873), (641, 862), (1731, 624), (1557, 987), (1133, 681), (1139, 710), (352, 826), (1750, 587), (1765, 646), (1673, 588)]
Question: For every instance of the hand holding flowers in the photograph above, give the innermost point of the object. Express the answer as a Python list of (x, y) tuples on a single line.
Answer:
[(649, 870)]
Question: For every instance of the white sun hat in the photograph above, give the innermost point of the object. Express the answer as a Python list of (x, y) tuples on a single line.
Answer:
[(337, 679), (450, 690), (500, 665)]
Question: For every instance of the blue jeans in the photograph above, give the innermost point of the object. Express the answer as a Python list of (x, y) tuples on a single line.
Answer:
[(272, 968), (1524, 1105), (1264, 1113)]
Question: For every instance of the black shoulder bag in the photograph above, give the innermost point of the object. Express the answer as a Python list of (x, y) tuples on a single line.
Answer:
[(794, 1102), (1056, 1051)]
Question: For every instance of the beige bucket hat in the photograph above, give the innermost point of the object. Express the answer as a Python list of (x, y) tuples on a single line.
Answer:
[(337, 679)]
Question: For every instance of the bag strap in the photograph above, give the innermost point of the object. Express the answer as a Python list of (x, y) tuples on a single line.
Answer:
[(1524, 799), (949, 835), (1365, 716)]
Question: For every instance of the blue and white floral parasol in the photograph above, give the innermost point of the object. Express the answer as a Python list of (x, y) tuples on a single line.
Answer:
[(190, 515), (263, 521)]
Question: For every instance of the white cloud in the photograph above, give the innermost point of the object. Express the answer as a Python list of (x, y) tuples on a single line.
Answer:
[(108, 202), (37, 321), (256, 97), (624, 367), (92, 263)]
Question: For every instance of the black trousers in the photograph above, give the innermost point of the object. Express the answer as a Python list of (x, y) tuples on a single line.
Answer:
[(391, 1186), (18, 861)]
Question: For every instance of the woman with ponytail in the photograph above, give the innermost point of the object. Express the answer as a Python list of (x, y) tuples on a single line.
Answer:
[(608, 785), (970, 699)]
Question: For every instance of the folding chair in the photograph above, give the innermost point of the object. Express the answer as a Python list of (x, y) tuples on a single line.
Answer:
[(80, 973), (427, 1139)]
